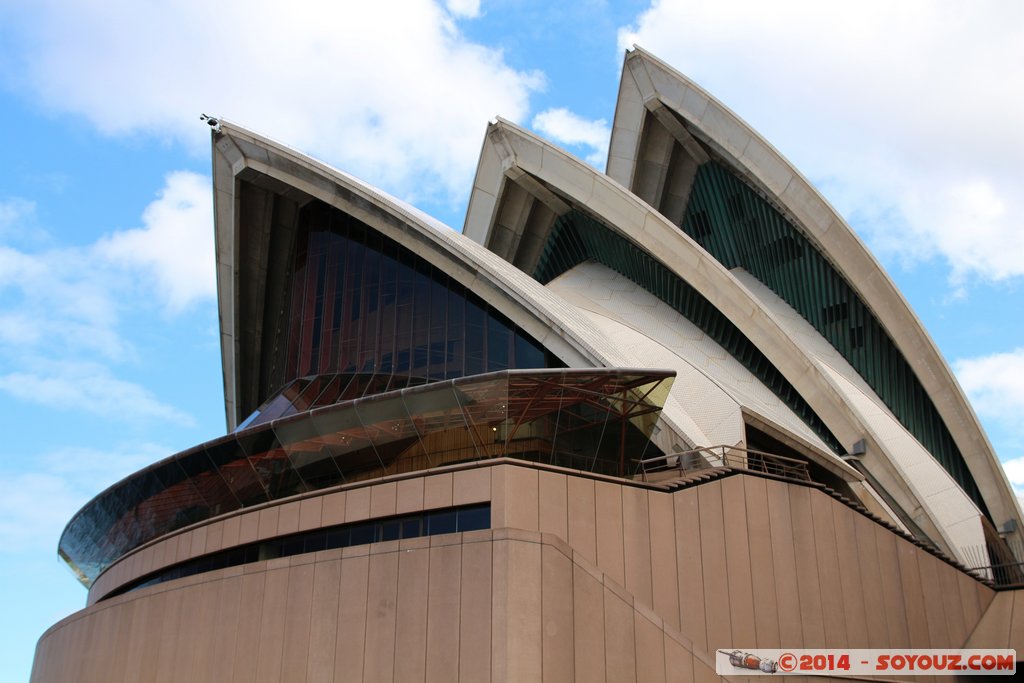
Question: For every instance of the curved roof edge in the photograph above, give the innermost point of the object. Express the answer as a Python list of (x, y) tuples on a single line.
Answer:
[(515, 156), (649, 84), (241, 156)]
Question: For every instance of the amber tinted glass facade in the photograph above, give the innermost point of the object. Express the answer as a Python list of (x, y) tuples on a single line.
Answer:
[(585, 419), (361, 303)]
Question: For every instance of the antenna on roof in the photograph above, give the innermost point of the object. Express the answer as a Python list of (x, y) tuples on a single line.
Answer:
[(212, 121)]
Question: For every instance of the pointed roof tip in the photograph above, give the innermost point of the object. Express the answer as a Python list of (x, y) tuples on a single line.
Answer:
[(501, 122), (214, 122)]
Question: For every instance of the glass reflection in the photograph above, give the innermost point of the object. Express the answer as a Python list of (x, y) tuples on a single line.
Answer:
[(595, 420)]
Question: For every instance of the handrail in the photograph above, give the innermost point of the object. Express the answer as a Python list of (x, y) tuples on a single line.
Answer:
[(726, 456)]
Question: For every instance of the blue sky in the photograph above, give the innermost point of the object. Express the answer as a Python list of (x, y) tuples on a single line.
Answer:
[(905, 117)]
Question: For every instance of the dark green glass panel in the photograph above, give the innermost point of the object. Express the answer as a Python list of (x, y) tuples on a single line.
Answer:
[(742, 230), (576, 237)]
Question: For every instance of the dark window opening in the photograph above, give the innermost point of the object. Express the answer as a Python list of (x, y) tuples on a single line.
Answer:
[(836, 312), (857, 337), (430, 523)]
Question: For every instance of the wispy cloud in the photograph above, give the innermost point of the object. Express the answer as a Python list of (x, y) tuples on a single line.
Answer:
[(14, 212), (1015, 473), (906, 112), (174, 249), (467, 9), (89, 387), (35, 504), (570, 129), (61, 310), (396, 95), (995, 384)]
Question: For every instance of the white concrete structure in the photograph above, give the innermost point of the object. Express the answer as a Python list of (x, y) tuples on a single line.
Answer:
[(666, 128), (624, 422)]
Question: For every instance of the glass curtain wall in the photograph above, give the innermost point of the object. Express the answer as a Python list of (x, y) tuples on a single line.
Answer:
[(362, 303)]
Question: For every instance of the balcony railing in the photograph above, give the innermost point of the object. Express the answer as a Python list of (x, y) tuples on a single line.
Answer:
[(698, 459)]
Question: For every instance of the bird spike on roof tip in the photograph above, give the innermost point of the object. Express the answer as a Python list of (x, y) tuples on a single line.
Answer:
[(212, 121)]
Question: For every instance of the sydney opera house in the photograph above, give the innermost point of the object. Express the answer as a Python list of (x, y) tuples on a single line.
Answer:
[(622, 421)]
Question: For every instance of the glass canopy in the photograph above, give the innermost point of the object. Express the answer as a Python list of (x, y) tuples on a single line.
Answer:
[(596, 420)]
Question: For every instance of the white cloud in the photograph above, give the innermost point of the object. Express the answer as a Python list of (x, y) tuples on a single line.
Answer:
[(463, 8), (14, 212), (74, 290), (91, 388), (61, 310), (906, 113), (393, 92), (174, 249), (568, 128), (36, 504), (1015, 473), (995, 384)]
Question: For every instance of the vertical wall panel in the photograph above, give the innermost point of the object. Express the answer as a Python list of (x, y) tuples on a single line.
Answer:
[(851, 587), (950, 596), (383, 499), (557, 615), (411, 615), (323, 622), (352, 617), (500, 580), (133, 667), (267, 522), (913, 596), (475, 613), (892, 589), (310, 511), (144, 645), (554, 504), (664, 567), (650, 650), (691, 567), (521, 491), (207, 631), (357, 504), (762, 568), (811, 618), (443, 626), (1016, 635), (968, 599), (871, 590), (249, 529), (637, 544), (737, 562), (272, 624), (382, 595), (288, 518), (678, 662), (169, 653), (619, 639), (410, 494), (499, 499), (437, 491), (297, 617), (471, 486), (523, 610), (588, 626), (125, 627), (333, 511), (717, 601), (787, 588), (608, 502), (828, 569), (214, 542), (934, 601), (582, 517)]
